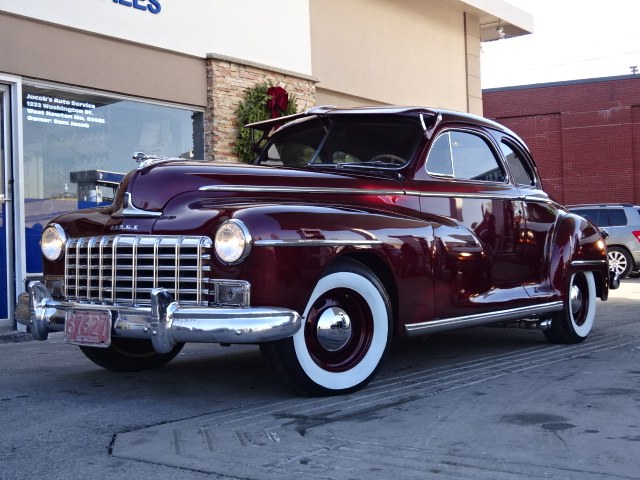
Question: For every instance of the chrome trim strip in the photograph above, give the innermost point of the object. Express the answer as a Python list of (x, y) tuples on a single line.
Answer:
[(461, 195), (283, 189), (582, 263), (359, 191), (130, 210), (445, 324), (532, 198), (315, 243)]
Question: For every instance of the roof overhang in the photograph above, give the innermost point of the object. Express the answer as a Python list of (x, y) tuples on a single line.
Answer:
[(499, 19)]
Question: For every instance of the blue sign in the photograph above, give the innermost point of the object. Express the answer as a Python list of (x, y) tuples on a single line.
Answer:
[(152, 6)]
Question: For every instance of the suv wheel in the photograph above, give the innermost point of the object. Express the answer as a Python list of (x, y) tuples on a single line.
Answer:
[(620, 261)]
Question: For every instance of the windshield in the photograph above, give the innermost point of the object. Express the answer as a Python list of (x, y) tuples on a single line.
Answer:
[(350, 142)]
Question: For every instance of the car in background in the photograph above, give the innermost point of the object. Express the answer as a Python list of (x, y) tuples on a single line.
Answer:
[(622, 224)]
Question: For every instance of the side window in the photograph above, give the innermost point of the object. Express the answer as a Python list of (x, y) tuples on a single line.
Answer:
[(464, 156), (617, 217), (439, 160), (518, 165), (590, 214), (473, 158)]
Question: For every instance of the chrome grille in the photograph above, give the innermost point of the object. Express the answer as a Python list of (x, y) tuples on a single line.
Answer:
[(123, 269)]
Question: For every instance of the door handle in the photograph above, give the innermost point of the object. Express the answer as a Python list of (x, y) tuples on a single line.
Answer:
[(4, 199)]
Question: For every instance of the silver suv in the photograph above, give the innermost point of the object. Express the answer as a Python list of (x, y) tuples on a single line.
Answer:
[(622, 223)]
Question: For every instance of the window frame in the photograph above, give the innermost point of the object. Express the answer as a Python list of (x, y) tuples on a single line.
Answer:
[(528, 164)]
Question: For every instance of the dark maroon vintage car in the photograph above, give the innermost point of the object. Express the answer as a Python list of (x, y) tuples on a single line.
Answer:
[(353, 225)]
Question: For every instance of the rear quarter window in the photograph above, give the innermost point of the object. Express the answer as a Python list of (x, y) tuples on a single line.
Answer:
[(617, 217)]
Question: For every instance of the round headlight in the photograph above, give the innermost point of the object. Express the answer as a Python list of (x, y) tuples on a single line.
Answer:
[(53, 242), (233, 241)]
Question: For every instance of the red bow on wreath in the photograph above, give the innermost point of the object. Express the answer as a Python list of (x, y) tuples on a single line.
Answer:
[(278, 101)]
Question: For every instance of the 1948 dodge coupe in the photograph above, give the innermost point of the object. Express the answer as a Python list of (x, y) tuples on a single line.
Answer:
[(352, 226)]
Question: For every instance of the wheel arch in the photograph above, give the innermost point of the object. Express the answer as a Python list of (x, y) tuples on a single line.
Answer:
[(578, 246), (381, 269)]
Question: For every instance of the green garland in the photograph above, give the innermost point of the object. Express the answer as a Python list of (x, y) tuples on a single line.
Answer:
[(254, 109)]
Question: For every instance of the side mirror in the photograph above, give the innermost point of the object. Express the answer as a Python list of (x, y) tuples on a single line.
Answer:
[(604, 234)]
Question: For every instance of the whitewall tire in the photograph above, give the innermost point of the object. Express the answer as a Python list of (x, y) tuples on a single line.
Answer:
[(344, 337)]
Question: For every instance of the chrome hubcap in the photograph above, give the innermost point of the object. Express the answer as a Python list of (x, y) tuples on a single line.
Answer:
[(617, 262), (334, 329), (576, 299)]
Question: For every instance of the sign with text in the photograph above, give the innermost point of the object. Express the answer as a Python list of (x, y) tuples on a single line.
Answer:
[(60, 111), (151, 6)]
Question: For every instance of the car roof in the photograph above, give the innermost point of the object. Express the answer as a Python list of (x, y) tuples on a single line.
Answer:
[(327, 110)]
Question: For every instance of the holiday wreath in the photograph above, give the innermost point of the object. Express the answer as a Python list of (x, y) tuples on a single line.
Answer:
[(261, 102)]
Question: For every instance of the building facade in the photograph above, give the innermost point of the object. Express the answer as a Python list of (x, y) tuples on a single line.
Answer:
[(583, 134), (83, 85)]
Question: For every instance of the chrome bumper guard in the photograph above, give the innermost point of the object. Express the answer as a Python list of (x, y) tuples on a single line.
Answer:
[(165, 323)]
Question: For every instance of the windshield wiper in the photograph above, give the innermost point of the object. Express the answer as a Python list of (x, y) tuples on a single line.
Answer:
[(377, 163)]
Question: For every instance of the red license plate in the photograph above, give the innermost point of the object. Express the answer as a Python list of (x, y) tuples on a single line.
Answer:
[(88, 327)]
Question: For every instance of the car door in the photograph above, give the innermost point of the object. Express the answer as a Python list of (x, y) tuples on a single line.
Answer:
[(464, 189), (539, 214)]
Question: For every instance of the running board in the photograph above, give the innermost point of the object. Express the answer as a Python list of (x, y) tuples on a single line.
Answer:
[(445, 324)]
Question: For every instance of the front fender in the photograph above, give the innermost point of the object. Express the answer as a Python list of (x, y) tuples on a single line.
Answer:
[(294, 244)]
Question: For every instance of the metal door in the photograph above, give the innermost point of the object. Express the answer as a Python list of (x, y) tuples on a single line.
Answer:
[(6, 235)]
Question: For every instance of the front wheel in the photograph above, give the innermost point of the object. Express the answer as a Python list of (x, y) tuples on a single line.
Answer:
[(575, 321), (345, 334), (130, 355)]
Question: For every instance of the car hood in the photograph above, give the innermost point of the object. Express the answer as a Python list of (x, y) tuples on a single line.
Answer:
[(151, 188)]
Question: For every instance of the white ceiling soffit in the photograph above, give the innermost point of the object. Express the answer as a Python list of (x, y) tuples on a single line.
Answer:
[(499, 19)]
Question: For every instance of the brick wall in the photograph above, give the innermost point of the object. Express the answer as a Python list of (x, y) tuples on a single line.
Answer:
[(584, 136), (227, 81)]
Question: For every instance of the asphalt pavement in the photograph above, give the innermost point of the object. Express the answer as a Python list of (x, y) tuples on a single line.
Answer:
[(484, 403)]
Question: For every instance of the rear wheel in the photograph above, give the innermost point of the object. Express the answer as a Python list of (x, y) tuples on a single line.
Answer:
[(620, 261), (574, 323), (130, 355), (344, 337)]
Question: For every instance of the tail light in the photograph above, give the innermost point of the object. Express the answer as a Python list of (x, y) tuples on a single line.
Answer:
[(636, 233)]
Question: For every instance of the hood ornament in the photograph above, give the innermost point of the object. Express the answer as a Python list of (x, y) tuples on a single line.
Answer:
[(145, 160)]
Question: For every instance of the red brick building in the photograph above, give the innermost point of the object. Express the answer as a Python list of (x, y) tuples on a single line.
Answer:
[(584, 135)]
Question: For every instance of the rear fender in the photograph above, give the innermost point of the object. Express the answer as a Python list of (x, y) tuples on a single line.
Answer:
[(577, 246)]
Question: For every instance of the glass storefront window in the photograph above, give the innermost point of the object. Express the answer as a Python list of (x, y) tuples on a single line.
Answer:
[(77, 145)]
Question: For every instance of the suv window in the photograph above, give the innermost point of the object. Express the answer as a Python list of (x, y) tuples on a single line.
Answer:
[(604, 217), (590, 214), (518, 165), (464, 156), (617, 217)]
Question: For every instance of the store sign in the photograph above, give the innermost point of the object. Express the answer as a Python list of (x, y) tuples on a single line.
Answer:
[(60, 111), (152, 6)]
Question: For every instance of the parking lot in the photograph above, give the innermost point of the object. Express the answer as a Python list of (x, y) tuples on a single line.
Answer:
[(481, 403)]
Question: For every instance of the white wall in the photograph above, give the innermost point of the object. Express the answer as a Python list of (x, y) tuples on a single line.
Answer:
[(271, 32)]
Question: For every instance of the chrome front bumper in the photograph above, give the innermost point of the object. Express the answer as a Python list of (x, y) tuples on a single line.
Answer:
[(165, 323)]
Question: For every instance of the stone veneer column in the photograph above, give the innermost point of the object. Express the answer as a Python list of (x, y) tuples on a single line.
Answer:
[(227, 80)]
